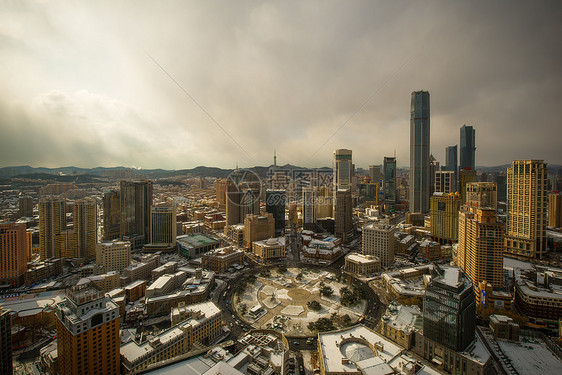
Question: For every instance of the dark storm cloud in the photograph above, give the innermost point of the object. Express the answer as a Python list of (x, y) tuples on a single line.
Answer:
[(282, 75)]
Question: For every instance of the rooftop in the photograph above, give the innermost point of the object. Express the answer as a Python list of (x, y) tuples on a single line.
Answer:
[(195, 240)]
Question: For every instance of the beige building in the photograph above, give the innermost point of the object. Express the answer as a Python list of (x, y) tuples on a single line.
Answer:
[(525, 234), (482, 194), (257, 228), (235, 233), (270, 249), (113, 256), (52, 221), (378, 240), (480, 247), (220, 260), (444, 211), (555, 210), (360, 264), (343, 213), (86, 228)]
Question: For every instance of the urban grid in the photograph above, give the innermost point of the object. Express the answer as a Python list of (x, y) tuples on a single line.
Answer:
[(432, 265)]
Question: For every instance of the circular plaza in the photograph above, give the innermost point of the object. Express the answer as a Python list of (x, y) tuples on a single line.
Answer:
[(298, 301)]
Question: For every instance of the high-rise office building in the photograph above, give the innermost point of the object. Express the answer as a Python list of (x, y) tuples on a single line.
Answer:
[(555, 210), (449, 309), (369, 191), (308, 208), (376, 173), (163, 228), (419, 152), (468, 148), (136, 201), (114, 255), (451, 161), (480, 247), (6, 366), (378, 240), (88, 339), (14, 249), (465, 176), (390, 180), (343, 215), (52, 221), (444, 182), (220, 188), (25, 206), (527, 202), (233, 203), (343, 169), (275, 204), (433, 168), (86, 228), (250, 202), (111, 215), (257, 228), (445, 217)]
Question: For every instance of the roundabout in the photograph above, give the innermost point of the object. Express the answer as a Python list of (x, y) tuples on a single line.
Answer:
[(299, 301)]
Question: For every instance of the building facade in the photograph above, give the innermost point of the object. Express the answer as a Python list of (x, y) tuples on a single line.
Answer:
[(468, 147), (419, 152), (25, 206), (88, 340), (360, 264), (14, 249), (257, 228), (555, 210), (449, 309), (390, 196), (445, 182), (275, 204), (136, 201), (343, 215), (270, 249), (527, 201), (379, 241), (445, 217), (86, 228), (163, 228), (6, 366), (343, 169), (111, 215), (52, 221), (113, 256), (220, 260)]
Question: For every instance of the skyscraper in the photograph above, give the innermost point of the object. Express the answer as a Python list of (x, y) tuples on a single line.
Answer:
[(52, 221), (527, 202), (379, 241), (343, 169), (419, 152), (6, 366), (111, 215), (86, 228), (445, 217), (136, 201), (308, 208), (25, 206), (343, 215), (88, 339), (14, 247), (465, 176), (449, 309), (390, 180), (376, 173), (444, 182), (275, 204), (468, 147)]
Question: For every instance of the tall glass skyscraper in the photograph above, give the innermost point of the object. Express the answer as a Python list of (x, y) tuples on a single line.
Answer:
[(419, 152), (468, 146)]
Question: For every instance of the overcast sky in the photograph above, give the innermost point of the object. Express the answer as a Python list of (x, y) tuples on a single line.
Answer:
[(78, 85)]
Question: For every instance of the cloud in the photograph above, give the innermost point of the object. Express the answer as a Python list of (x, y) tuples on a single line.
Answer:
[(283, 75)]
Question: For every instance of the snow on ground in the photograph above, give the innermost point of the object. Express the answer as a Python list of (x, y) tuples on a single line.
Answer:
[(268, 290), (271, 303), (531, 358), (292, 310), (283, 293)]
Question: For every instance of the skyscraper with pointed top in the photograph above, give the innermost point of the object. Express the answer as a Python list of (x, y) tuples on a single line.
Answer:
[(419, 152)]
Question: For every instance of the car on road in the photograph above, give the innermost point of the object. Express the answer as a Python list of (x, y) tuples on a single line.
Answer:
[(297, 343)]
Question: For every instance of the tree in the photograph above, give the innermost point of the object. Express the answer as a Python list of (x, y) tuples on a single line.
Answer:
[(282, 269), (243, 309), (314, 305), (326, 291), (300, 276)]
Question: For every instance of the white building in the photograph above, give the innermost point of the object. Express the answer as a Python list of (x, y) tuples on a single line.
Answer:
[(378, 240)]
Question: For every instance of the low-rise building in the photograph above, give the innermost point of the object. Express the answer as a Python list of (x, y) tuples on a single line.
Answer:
[(220, 260), (400, 322), (503, 327), (168, 268), (321, 251), (236, 234), (135, 291), (195, 244), (142, 270), (270, 249), (360, 264), (114, 255)]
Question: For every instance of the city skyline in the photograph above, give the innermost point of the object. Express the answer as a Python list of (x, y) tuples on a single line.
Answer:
[(89, 84)]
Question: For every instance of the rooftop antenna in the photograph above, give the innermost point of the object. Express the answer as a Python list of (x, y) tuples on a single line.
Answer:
[(274, 159)]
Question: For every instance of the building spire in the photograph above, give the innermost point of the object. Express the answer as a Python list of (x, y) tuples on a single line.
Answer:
[(274, 158)]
